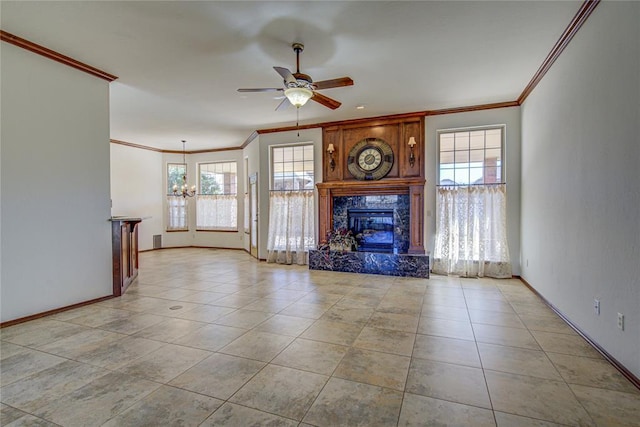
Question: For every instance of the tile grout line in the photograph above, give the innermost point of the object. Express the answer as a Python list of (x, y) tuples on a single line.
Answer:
[(475, 340), (549, 359)]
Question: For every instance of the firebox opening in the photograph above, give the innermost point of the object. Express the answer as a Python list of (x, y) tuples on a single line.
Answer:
[(373, 229)]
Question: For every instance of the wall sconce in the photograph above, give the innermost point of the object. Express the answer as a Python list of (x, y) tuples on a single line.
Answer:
[(412, 158), (332, 162)]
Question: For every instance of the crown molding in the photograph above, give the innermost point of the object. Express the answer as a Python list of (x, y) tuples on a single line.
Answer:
[(159, 150), (131, 144), (585, 11), (401, 116), (470, 108), (341, 122), (56, 56), (249, 139)]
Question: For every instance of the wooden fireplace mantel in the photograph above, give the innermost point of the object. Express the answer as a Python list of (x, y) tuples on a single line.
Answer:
[(414, 187)]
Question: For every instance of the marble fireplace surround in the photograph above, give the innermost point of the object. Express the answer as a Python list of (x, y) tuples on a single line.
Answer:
[(413, 187)]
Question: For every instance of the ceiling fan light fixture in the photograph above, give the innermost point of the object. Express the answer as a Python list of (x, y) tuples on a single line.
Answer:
[(298, 96)]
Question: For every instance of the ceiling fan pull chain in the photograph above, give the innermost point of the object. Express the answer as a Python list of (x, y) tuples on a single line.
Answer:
[(298, 120)]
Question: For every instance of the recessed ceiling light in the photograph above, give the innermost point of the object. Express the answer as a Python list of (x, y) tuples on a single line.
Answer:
[(359, 107)]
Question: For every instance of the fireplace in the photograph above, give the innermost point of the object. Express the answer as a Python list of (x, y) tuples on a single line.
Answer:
[(379, 223), (373, 209), (373, 229), (404, 196)]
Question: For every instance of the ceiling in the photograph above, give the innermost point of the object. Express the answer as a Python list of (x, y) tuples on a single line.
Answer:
[(179, 64)]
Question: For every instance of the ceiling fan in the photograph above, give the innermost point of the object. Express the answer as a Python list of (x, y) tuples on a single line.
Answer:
[(299, 88)]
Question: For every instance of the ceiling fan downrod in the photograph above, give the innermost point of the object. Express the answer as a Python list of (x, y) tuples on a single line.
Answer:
[(297, 48)]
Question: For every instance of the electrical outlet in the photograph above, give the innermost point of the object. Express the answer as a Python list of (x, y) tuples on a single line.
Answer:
[(621, 321), (596, 306)]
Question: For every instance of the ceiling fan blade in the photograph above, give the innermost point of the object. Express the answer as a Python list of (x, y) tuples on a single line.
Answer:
[(325, 100), (283, 104), (261, 89), (327, 84), (286, 75)]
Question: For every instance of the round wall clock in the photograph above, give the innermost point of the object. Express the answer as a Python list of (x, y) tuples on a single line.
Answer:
[(370, 159)]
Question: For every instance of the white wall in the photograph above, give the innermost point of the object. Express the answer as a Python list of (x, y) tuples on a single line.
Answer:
[(279, 138), (56, 238), (580, 184), (137, 189), (502, 116)]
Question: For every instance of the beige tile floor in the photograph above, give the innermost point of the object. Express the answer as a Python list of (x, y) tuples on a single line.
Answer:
[(215, 338)]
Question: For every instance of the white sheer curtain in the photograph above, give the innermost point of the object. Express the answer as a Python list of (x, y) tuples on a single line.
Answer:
[(217, 212), (177, 213), (471, 232), (291, 227)]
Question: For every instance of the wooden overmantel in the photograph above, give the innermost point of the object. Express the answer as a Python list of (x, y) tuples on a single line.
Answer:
[(414, 187), (406, 176)]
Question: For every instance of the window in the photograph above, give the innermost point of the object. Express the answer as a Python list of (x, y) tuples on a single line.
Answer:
[(471, 156), (175, 176), (291, 205), (292, 168), (176, 205), (217, 203), (471, 224)]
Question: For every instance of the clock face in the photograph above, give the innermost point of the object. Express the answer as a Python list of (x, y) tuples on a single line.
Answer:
[(370, 159)]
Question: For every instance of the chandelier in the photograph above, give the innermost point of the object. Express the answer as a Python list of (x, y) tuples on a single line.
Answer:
[(184, 189)]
